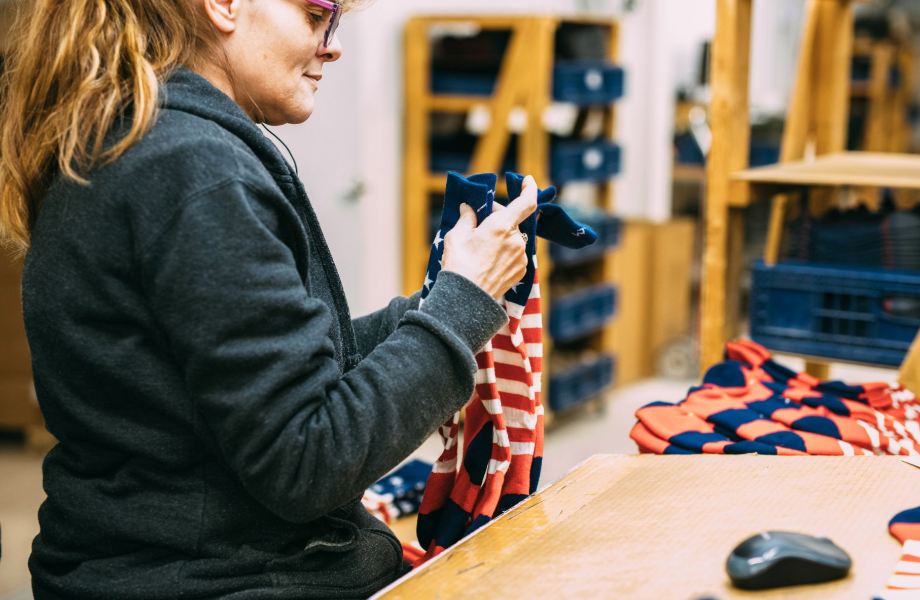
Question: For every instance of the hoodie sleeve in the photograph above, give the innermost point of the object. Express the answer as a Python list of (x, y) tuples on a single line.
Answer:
[(259, 366), (371, 330)]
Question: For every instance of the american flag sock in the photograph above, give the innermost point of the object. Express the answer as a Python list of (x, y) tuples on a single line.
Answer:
[(505, 389), (441, 519), (503, 430), (904, 584)]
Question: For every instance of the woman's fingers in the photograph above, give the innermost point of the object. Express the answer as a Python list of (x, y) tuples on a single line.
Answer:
[(522, 207)]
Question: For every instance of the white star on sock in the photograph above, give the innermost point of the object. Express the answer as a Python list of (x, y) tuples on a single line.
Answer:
[(438, 239), (515, 287), (428, 281)]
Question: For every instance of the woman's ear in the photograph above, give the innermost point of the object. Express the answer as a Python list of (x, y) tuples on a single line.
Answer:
[(223, 13)]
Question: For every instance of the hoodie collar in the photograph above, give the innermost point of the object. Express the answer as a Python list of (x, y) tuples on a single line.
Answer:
[(189, 92)]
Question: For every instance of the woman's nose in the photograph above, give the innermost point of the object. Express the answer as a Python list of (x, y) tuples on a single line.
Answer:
[(333, 51)]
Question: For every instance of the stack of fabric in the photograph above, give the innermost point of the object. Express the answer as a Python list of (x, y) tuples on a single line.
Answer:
[(751, 404), (859, 237), (399, 493)]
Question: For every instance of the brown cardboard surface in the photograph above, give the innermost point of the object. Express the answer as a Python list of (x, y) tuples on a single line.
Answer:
[(404, 528), (14, 357), (652, 271), (632, 264), (672, 268), (18, 409), (661, 527), (10, 266), (10, 310)]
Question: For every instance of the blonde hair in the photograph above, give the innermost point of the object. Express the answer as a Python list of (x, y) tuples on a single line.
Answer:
[(74, 67)]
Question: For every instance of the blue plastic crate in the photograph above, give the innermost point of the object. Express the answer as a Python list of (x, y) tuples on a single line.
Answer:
[(582, 381), (859, 314), (584, 161), (580, 313), (763, 154), (607, 228), (687, 152), (463, 84), (587, 82)]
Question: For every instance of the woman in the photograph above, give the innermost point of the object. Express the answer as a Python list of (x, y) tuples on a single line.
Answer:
[(219, 413)]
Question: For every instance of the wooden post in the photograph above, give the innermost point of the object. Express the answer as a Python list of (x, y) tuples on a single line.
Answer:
[(831, 107), (534, 160), (609, 342), (798, 127), (910, 369), (730, 152), (512, 85), (416, 162)]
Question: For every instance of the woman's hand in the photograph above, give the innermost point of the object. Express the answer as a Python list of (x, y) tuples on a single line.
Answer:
[(491, 255)]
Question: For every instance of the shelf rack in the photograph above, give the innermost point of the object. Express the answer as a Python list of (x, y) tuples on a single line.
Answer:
[(817, 118), (524, 83)]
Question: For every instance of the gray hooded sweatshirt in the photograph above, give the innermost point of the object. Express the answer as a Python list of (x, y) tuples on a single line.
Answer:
[(219, 412)]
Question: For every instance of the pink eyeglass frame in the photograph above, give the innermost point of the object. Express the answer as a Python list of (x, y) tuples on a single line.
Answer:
[(333, 20)]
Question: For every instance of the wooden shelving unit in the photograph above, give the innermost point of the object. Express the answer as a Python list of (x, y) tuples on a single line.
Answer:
[(524, 83), (888, 91), (817, 118)]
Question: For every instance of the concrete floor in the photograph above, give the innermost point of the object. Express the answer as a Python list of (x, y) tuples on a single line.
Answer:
[(567, 444)]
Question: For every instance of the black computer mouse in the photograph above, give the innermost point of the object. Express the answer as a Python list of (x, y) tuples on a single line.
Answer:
[(781, 558)]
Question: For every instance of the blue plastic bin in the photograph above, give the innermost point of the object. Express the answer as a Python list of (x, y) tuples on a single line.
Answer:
[(584, 161), (607, 228), (580, 382), (587, 82), (463, 84), (580, 313), (858, 314), (763, 154)]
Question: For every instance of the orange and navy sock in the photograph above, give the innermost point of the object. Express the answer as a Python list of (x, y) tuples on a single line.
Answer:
[(904, 584)]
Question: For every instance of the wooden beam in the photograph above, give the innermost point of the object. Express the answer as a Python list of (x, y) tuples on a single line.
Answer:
[(415, 168), (729, 115), (798, 127), (512, 85)]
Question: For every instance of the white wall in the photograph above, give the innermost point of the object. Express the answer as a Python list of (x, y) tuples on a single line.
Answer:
[(356, 132)]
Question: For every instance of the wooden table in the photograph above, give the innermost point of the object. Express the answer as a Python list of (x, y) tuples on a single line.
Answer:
[(661, 527)]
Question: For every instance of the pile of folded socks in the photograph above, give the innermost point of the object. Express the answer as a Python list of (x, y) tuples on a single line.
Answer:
[(751, 404), (399, 493)]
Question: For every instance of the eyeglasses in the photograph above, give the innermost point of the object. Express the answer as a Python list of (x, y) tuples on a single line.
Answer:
[(333, 20)]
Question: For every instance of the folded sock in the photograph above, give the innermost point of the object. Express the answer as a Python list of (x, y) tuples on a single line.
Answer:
[(905, 582), (684, 429)]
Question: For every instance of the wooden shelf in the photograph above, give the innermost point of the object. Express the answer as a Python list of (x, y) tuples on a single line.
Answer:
[(524, 82), (438, 182), (689, 173), (445, 103), (871, 169)]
